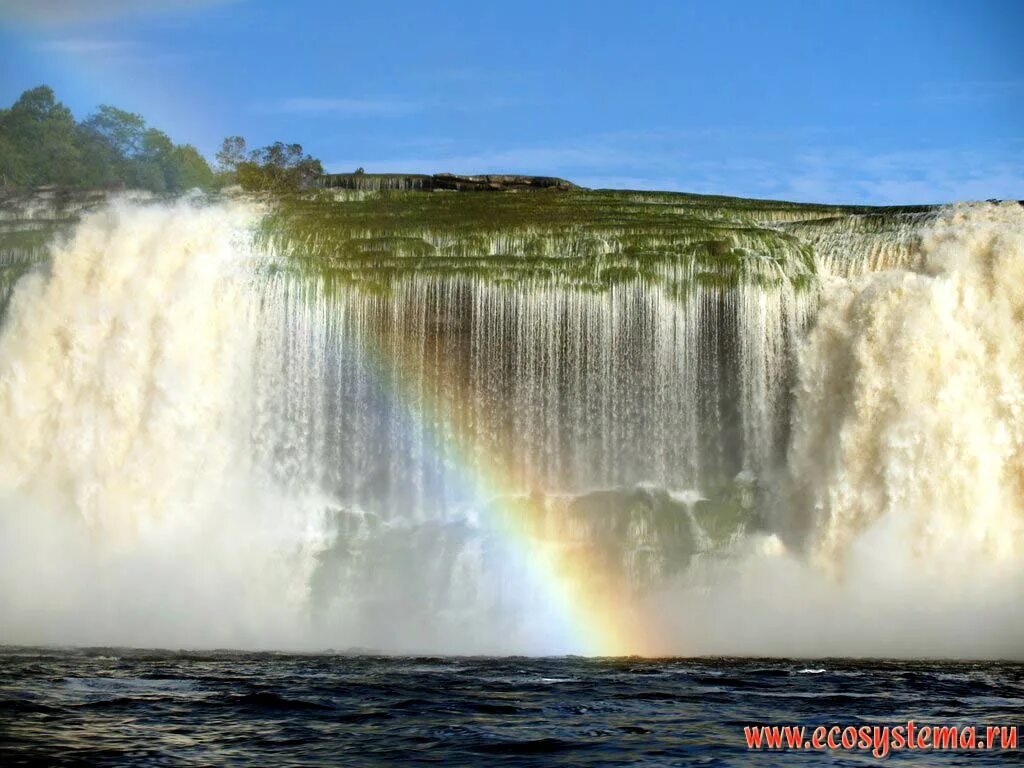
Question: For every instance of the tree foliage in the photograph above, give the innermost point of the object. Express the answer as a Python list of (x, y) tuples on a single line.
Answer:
[(277, 167), (41, 143)]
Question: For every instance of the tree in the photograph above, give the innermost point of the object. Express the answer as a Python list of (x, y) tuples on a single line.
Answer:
[(42, 143), (231, 153), (157, 147), (123, 130), (189, 169), (40, 140), (101, 165), (12, 165), (277, 167)]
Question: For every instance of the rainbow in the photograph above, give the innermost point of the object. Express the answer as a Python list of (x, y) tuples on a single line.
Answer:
[(594, 616), (86, 72)]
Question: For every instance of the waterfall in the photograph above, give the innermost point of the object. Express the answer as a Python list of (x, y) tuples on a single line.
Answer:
[(125, 354), (567, 391), (133, 508), (434, 444), (902, 526), (421, 410), (910, 402)]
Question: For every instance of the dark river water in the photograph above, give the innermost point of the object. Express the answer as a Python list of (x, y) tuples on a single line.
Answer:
[(119, 707)]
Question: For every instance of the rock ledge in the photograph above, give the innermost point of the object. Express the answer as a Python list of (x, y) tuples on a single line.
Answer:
[(494, 182)]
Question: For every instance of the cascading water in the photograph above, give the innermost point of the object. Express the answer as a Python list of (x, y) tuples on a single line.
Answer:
[(133, 508), (215, 448), (904, 490), (910, 403)]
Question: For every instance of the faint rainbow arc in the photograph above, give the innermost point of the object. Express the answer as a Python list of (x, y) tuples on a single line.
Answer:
[(603, 622)]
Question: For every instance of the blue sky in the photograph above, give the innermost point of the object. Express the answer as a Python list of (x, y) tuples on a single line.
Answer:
[(876, 102)]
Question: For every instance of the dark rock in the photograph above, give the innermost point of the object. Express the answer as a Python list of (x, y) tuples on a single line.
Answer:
[(499, 182)]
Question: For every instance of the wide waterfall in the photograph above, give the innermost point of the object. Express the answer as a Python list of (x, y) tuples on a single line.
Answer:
[(565, 429)]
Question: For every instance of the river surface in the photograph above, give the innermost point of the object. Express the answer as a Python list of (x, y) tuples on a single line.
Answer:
[(137, 707)]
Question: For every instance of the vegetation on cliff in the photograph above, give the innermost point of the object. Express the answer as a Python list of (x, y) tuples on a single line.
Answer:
[(587, 239), (279, 168), (41, 144), (374, 229)]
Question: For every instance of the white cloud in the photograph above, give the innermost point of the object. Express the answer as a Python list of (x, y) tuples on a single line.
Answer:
[(86, 46), (593, 153), (904, 177), (840, 174), (354, 107), (646, 183), (970, 92), (57, 12)]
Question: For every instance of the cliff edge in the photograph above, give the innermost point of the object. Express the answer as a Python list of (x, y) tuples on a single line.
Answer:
[(494, 182)]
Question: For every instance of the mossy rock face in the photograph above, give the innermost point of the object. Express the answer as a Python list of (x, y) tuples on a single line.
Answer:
[(732, 509), (30, 223), (590, 239), (610, 542)]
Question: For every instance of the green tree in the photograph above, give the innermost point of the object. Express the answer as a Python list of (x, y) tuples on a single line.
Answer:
[(277, 167), (39, 143), (101, 165), (123, 130), (189, 169), (232, 152), (12, 166), (42, 143)]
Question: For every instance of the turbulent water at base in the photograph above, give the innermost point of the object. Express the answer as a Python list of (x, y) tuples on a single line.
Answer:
[(216, 449)]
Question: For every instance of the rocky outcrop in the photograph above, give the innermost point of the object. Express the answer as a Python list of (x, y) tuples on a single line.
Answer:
[(499, 182)]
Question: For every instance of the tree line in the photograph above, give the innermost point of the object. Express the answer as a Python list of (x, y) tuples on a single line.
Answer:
[(41, 144)]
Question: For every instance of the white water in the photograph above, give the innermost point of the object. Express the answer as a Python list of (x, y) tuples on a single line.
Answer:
[(910, 402), (207, 455), (906, 467), (132, 509)]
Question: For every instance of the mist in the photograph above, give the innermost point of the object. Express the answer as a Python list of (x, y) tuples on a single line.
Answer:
[(203, 451)]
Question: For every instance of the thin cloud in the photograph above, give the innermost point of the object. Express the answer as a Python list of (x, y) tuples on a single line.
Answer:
[(971, 91), (87, 46), (540, 159), (646, 183), (901, 177), (58, 12), (352, 107), (839, 174)]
